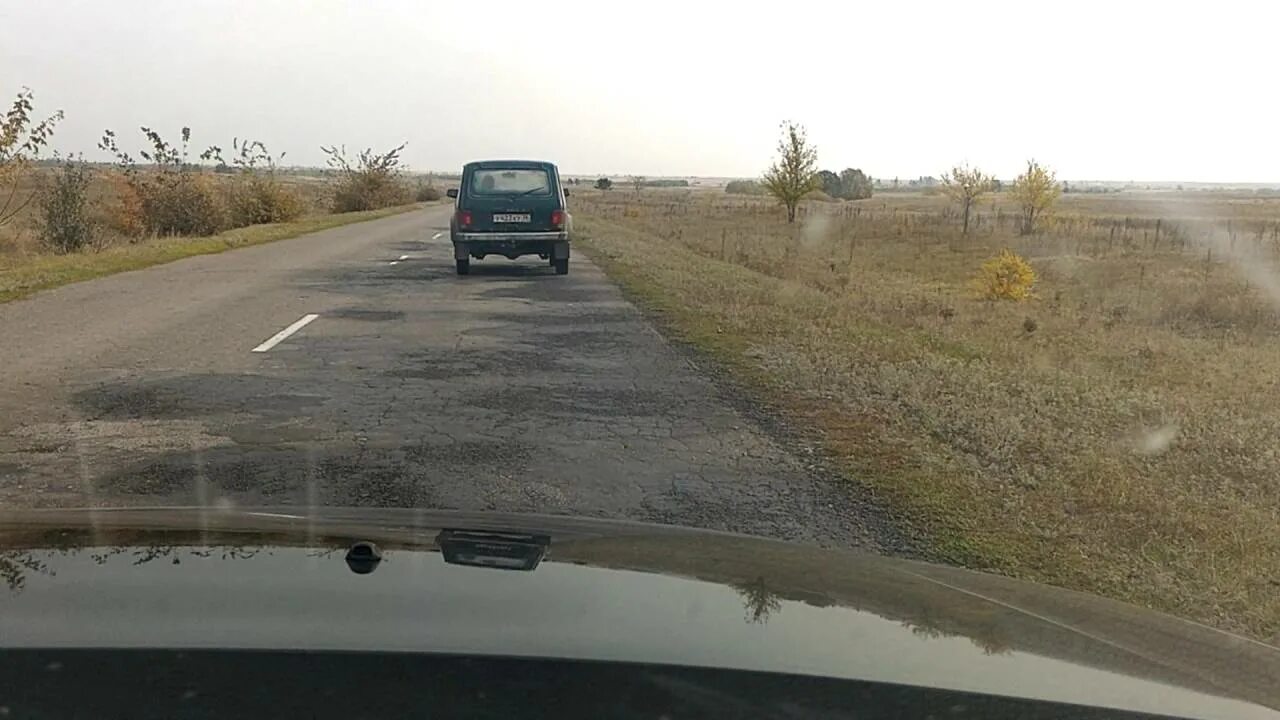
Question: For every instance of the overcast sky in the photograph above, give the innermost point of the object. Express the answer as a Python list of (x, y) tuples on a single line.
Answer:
[(1108, 90)]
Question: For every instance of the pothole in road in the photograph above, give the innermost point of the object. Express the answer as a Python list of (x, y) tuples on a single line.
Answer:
[(553, 292), (580, 401), (192, 395), (366, 315), (400, 476), (448, 364), (291, 475), (470, 453)]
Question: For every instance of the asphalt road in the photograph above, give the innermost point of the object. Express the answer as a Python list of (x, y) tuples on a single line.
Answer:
[(512, 389)]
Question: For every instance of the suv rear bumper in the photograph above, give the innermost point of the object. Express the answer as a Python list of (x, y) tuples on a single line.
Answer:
[(511, 244)]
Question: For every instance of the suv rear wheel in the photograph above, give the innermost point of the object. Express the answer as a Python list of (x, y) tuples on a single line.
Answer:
[(561, 266), (464, 267)]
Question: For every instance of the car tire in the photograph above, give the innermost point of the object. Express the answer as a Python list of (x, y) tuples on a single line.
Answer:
[(561, 266), (464, 267), (551, 261)]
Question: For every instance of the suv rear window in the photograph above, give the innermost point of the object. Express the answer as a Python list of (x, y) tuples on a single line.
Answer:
[(509, 181)]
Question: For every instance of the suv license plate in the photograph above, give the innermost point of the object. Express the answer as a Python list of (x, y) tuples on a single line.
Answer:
[(511, 217)]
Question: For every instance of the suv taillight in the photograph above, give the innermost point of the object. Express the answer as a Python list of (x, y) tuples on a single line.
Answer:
[(557, 218), (464, 218)]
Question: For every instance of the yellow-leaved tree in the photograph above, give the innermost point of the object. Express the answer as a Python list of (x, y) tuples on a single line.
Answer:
[(1035, 191)]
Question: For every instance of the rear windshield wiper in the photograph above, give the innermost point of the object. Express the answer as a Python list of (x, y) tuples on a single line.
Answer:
[(535, 190)]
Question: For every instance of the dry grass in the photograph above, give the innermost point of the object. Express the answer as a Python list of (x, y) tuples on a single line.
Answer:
[(1115, 435)]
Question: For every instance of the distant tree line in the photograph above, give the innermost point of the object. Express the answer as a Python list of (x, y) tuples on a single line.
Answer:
[(850, 184), (795, 174), (670, 183)]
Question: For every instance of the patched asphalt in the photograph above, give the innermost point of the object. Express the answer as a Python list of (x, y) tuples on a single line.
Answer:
[(511, 389)]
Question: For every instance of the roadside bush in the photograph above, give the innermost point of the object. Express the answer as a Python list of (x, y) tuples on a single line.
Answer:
[(604, 183), (124, 215), (428, 193), (255, 200), (255, 196), (373, 181), (1005, 277), (183, 203), (65, 225), (176, 199)]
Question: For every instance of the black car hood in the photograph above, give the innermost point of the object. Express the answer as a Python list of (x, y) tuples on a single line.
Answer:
[(601, 590)]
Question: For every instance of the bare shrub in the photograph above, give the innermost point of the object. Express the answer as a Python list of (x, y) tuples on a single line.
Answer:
[(65, 225), (373, 181)]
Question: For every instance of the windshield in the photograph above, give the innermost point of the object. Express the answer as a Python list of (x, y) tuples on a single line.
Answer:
[(509, 181), (990, 286)]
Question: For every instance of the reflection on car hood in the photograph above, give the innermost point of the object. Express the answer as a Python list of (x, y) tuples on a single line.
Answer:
[(601, 590)]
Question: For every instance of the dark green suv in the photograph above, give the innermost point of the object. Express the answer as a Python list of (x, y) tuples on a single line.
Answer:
[(510, 208)]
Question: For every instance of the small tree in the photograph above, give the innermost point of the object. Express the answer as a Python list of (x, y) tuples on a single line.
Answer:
[(964, 185), (637, 182), (794, 173), (1035, 191), (21, 140), (604, 183)]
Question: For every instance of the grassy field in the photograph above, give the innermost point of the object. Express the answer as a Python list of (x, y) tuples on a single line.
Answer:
[(27, 267), (1115, 434)]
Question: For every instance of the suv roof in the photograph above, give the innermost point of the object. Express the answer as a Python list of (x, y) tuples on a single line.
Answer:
[(508, 164)]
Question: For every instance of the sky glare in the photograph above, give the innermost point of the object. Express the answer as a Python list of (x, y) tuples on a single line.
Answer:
[(1108, 91)]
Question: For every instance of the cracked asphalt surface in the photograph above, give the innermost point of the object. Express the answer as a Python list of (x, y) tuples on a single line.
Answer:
[(512, 389)]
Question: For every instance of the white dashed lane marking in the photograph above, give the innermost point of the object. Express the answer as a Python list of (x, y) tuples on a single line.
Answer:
[(280, 336)]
